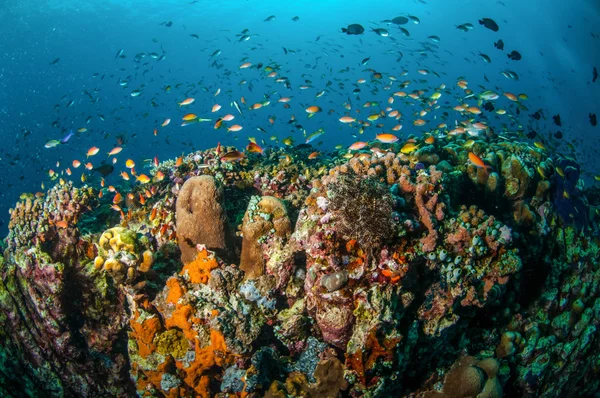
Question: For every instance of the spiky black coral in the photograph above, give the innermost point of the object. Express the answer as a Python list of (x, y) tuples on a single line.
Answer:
[(362, 209)]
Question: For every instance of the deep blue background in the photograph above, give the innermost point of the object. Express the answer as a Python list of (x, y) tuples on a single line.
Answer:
[(87, 35)]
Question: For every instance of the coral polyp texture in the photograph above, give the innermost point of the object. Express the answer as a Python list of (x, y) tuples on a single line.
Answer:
[(379, 273)]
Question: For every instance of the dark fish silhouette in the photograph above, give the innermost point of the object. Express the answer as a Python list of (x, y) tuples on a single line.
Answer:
[(595, 72), (55, 61), (104, 169), (558, 135), (499, 45), (354, 29), (488, 106), (514, 55), (536, 115), (556, 119), (489, 23), (400, 20), (593, 120)]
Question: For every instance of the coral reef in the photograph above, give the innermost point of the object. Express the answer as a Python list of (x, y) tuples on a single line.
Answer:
[(374, 273)]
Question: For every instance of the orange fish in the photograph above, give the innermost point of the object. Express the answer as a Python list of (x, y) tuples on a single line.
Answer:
[(153, 214), (386, 138), (117, 199), (190, 116), (347, 119), (179, 161), (314, 155), (235, 128), (143, 178), (125, 176), (166, 122), (187, 101), (478, 162), (254, 148), (429, 140), (92, 151), (115, 151), (232, 156), (61, 224), (357, 145), (313, 109), (218, 124), (229, 117), (159, 176), (76, 163), (142, 200)]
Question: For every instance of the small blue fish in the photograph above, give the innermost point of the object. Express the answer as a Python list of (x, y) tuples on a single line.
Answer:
[(315, 135), (67, 137)]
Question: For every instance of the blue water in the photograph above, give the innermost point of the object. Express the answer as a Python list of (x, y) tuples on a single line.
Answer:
[(555, 38)]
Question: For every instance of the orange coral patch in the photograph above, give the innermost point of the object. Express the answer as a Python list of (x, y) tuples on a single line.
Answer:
[(175, 290), (206, 358), (198, 271), (180, 319), (144, 334)]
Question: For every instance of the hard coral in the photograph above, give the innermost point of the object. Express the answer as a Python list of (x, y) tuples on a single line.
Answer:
[(201, 217), (266, 229), (124, 254)]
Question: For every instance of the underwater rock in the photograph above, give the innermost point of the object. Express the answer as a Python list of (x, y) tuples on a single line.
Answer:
[(201, 217), (62, 328)]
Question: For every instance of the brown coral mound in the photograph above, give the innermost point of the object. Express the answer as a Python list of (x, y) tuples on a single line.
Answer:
[(201, 217), (470, 377)]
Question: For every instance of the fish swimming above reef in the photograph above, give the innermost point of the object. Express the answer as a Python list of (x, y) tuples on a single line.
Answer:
[(353, 29), (514, 55), (499, 45), (400, 20), (104, 169), (489, 23)]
